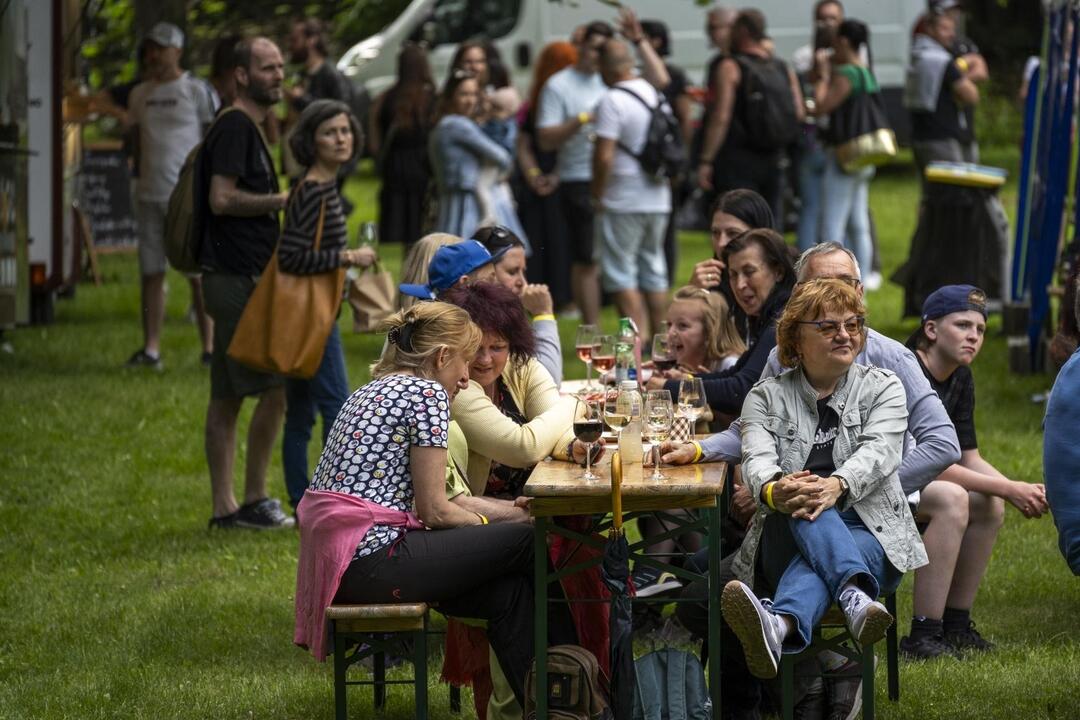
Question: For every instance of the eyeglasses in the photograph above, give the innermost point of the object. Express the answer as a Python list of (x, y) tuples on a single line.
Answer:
[(830, 328), (846, 279)]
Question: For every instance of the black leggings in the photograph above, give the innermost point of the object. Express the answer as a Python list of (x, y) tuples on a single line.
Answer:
[(482, 571)]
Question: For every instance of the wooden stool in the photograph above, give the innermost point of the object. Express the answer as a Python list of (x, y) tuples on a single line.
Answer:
[(378, 629), (834, 618)]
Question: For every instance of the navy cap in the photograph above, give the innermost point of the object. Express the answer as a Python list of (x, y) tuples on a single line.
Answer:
[(953, 298), (448, 265)]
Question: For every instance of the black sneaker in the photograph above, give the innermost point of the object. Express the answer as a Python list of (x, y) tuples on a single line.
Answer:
[(225, 522), (650, 582), (927, 647), (265, 514), (142, 359), (968, 639)]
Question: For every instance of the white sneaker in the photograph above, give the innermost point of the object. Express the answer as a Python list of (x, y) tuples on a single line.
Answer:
[(866, 619), (759, 629)]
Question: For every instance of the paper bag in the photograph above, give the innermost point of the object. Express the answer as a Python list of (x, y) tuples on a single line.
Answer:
[(373, 297)]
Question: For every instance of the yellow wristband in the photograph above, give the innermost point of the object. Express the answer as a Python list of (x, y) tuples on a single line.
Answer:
[(962, 64), (768, 494), (534, 172), (543, 316), (483, 518), (697, 451), (582, 117)]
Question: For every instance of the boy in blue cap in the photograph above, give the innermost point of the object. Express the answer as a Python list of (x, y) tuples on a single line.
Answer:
[(465, 262), (965, 505)]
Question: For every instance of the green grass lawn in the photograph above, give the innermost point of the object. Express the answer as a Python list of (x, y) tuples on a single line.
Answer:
[(117, 603)]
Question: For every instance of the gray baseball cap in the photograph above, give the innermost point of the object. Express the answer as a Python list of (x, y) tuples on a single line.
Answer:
[(166, 35)]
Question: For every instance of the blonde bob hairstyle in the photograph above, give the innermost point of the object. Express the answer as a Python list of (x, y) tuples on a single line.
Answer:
[(810, 301), (721, 338), (414, 270), (417, 335)]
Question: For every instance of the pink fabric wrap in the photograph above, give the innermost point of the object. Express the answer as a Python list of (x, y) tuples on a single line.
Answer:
[(332, 524)]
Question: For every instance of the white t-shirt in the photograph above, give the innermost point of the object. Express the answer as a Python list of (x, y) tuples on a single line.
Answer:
[(624, 119), (171, 117), (566, 95)]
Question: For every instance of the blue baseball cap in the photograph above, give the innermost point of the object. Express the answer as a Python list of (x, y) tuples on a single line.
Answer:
[(953, 298), (448, 265)]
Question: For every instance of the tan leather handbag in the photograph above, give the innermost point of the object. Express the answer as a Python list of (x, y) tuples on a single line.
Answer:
[(286, 322)]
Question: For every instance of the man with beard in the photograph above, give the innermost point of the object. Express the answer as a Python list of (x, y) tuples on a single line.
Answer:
[(240, 220)]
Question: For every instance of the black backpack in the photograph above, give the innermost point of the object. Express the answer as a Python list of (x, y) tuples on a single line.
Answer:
[(663, 155), (769, 120)]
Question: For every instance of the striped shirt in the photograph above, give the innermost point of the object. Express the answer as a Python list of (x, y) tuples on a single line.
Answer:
[(296, 252)]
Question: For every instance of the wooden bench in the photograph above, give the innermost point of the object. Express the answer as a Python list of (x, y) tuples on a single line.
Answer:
[(376, 630), (834, 619)]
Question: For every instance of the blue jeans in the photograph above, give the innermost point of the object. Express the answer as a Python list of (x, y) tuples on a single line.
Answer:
[(325, 392), (810, 562), (811, 178), (845, 214)]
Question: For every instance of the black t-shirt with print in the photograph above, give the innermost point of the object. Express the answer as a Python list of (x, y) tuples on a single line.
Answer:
[(957, 394), (239, 245), (820, 461)]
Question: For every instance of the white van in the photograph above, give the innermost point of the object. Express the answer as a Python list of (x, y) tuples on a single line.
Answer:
[(520, 28)]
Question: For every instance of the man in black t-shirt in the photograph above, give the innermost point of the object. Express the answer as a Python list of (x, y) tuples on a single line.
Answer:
[(240, 219), (965, 503)]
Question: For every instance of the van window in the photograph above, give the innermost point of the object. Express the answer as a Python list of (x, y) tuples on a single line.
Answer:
[(460, 20)]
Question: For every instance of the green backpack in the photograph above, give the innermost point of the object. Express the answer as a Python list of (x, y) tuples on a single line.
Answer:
[(670, 686)]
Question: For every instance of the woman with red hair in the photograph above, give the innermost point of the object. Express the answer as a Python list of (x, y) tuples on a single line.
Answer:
[(534, 187)]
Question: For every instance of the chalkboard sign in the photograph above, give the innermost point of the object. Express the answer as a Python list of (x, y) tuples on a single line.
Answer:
[(105, 198)]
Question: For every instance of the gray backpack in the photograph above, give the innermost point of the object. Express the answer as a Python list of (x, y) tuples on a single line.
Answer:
[(670, 686)]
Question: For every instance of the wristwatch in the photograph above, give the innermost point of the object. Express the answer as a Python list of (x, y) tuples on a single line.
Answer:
[(843, 486)]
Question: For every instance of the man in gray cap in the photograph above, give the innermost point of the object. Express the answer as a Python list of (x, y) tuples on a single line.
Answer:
[(170, 111)]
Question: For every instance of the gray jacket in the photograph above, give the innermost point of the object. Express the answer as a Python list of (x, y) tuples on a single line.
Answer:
[(779, 419), (930, 444)]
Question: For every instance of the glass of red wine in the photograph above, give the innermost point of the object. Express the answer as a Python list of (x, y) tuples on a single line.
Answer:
[(583, 343), (662, 358), (588, 427), (603, 354)]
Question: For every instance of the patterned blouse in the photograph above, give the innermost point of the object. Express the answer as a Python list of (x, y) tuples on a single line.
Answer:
[(367, 451)]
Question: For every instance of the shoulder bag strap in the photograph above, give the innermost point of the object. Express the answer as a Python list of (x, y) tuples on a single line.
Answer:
[(319, 227)]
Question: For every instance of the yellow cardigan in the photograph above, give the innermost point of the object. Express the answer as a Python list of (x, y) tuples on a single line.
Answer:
[(493, 436)]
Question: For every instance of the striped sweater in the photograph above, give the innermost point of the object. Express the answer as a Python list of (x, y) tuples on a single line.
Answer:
[(296, 252)]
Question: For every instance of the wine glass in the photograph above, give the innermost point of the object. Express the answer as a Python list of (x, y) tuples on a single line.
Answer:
[(659, 416), (603, 353), (588, 428), (691, 399), (621, 407), (368, 235), (662, 359), (583, 343)]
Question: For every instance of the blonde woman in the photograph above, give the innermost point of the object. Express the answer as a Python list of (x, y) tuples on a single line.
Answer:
[(414, 270), (387, 453)]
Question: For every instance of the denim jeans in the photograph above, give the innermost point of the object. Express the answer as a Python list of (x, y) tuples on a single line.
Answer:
[(811, 178), (325, 392), (810, 562), (845, 214)]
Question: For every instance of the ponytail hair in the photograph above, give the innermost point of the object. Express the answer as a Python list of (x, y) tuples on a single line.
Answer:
[(414, 338)]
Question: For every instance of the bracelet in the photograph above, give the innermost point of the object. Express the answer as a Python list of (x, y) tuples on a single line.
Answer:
[(962, 64), (544, 316), (698, 452), (483, 518), (534, 172), (768, 494), (583, 117)]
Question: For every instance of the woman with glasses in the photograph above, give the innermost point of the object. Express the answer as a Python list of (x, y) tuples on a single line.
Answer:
[(821, 446)]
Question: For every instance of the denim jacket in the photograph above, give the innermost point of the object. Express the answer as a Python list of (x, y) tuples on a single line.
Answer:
[(779, 419), (458, 150)]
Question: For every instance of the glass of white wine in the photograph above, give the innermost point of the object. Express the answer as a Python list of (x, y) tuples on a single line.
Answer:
[(691, 399), (659, 416), (621, 406)]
